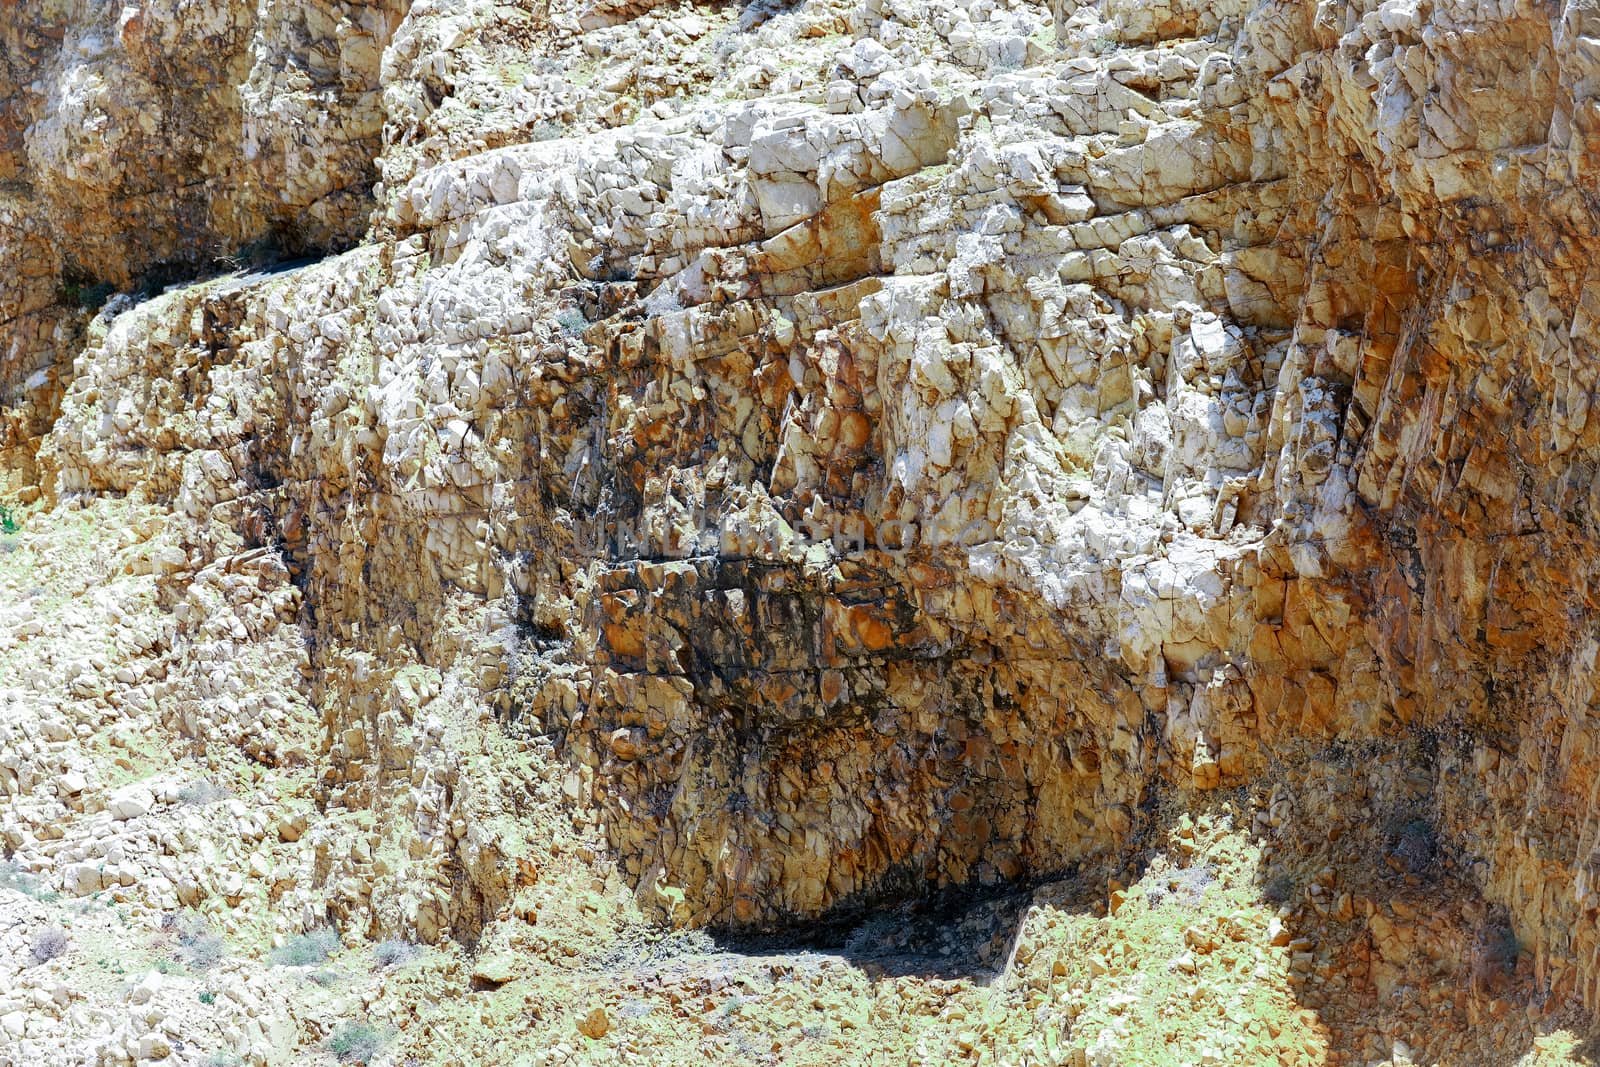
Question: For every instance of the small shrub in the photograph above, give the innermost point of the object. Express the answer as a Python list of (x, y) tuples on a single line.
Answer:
[(571, 321), (199, 946), (8, 520), (223, 1059), (1416, 846), (722, 1018), (87, 295), (14, 877), (1278, 890), (393, 953), (325, 979), (207, 997), (355, 1043), (201, 793), (548, 130), (308, 949), (48, 943)]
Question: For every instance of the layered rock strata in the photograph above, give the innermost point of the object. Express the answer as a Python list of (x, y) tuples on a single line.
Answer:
[(886, 448)]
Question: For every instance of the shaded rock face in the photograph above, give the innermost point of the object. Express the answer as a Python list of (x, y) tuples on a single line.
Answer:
[(896, 480), (158, 133), (143, 142)]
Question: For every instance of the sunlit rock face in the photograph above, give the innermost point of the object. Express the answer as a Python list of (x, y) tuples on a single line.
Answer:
[(897, 446), (163, 132)]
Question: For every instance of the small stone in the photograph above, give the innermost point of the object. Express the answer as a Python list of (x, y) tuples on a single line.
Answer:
[(147, 988), (595, 1025), (291, 826), (498, 968), (154, 1046), (627, 743)]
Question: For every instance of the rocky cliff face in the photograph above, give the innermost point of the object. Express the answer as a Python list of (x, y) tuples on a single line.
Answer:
[(636, 466)]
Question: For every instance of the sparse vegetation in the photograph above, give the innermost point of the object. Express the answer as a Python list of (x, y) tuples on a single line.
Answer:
[(393, 953), (200, 947), (14, 877), (1416, 846), (356, 1043), (571, 321), (613, 706), (1280, 889), (83, 293), (48, 943), (309, 949), (201, 793)]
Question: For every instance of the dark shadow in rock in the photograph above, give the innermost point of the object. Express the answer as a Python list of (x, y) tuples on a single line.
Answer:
[(1379, 899), (951, 934), (966, 932), (755, 12)]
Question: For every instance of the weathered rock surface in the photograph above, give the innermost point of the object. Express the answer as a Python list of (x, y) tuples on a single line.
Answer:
[(756, 467)]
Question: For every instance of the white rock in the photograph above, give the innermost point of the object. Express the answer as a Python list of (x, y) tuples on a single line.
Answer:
[(154, 1047), (147, 988), (130, 802), (82, 879)]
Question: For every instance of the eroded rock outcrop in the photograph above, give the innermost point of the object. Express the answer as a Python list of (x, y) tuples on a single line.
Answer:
[(893, 448)]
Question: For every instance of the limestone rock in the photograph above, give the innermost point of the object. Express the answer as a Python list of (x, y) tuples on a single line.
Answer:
[(513, 474)]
